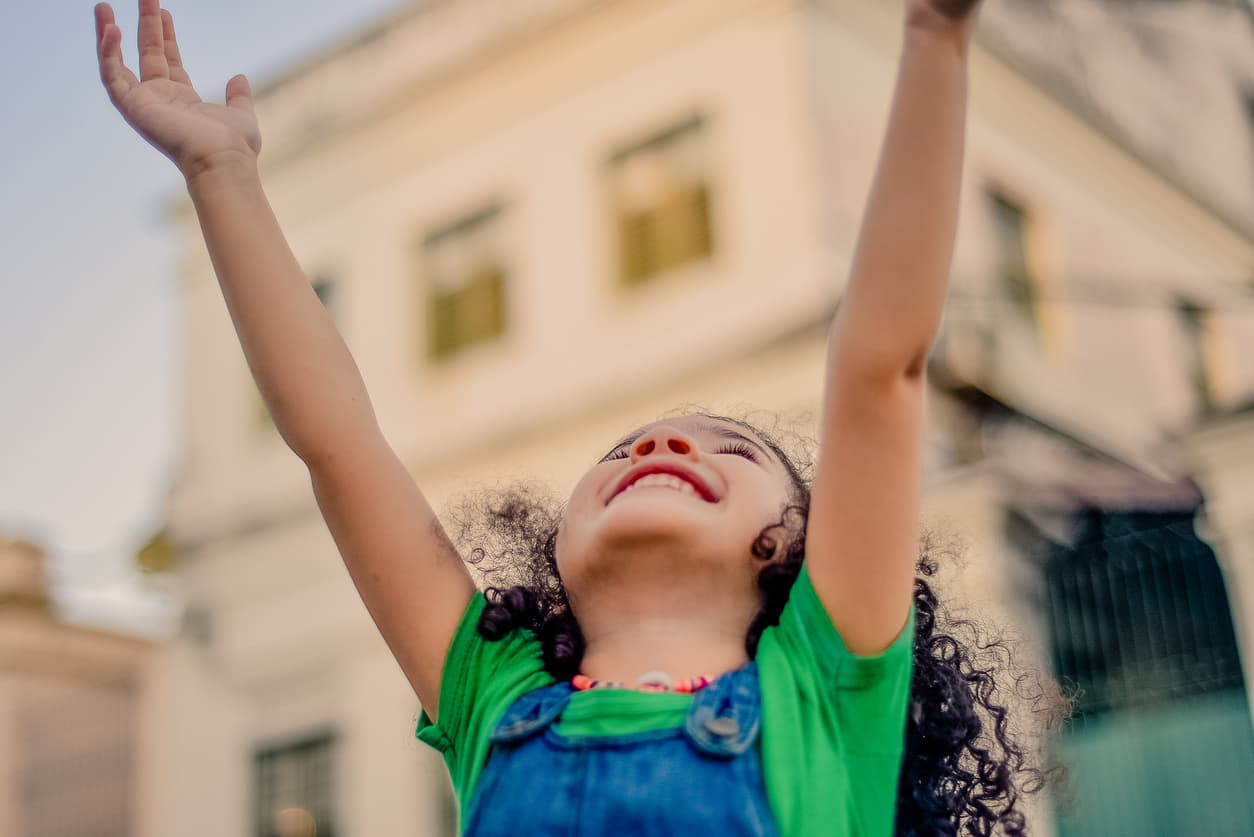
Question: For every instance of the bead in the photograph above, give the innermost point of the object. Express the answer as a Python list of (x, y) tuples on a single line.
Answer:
[(658, 680), (653, 681)]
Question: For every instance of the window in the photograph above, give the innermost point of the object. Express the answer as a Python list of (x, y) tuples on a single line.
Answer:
[(1018, 257), (1202, 358), (295, 789), (1010, 225), (463, 276), (660, 197)]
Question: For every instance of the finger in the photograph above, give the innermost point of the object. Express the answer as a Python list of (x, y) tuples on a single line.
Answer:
[(104, 16), (116, 77), (152, 63), (239, 94), (172, 57)]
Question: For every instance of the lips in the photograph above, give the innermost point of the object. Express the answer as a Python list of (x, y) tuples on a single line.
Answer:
[(675, 470)]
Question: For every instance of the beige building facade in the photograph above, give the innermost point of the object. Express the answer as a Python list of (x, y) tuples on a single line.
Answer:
[(541, 224), (70, 700)]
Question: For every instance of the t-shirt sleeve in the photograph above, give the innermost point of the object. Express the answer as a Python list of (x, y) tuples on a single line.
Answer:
[(834, 722), (479, 682), (867, 693)]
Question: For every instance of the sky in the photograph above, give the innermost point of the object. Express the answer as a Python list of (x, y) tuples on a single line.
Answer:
[(89, 318)]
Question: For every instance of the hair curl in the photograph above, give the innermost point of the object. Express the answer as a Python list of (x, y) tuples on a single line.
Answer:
[(967, 765)]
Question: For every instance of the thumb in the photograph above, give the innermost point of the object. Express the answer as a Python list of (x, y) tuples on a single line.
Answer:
[(239, 94)]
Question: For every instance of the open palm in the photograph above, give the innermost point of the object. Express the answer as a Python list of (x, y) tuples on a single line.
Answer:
[(161, 105)]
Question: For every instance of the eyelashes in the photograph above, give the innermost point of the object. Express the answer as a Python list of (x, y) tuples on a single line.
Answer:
[(619, 452), (738, 449)]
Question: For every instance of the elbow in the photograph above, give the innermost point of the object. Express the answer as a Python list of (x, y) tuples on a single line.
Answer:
[(916, 364), (323, 448), (872, 361)]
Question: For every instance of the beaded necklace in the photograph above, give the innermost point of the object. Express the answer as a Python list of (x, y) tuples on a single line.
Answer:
[(653, 681)]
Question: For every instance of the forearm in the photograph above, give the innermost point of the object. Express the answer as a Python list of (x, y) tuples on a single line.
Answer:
[(301, 365), (892, 307)]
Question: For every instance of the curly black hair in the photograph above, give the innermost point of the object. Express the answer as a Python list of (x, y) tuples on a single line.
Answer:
[(967, 765)]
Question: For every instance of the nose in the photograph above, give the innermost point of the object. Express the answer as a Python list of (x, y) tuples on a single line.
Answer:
[(664, 439)]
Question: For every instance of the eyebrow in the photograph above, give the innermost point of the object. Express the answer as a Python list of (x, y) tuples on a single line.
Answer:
[(716, 429)]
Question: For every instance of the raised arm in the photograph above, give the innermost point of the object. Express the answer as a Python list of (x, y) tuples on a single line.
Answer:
[(863, 533), (407, 572)]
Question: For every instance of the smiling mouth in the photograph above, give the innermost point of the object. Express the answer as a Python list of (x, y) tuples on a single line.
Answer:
[(668, 481)]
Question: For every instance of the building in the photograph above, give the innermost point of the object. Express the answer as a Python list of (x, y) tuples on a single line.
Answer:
[(498, 202), (1113, 516), (70, 700)]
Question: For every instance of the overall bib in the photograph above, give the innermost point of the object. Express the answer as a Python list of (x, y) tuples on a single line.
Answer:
[(703, 777)]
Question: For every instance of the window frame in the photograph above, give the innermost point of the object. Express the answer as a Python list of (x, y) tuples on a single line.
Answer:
[(656, 268), (327, 737), (492, 211), (1037, 308)]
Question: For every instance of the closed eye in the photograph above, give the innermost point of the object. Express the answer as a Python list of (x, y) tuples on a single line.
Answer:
[(745, 448), (619, 452), (739, 450)]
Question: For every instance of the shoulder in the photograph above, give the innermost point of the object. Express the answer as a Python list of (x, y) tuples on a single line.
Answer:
[(807, 641)]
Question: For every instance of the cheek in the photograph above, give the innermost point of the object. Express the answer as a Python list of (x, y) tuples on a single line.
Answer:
[(572, 535), (581, 507), (768, 509), (571, 553), (765, 495), (585, 491)]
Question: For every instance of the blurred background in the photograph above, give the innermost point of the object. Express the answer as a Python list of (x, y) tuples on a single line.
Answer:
[(541, 223)]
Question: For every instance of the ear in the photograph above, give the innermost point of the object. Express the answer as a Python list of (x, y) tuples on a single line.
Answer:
[(777, 540)]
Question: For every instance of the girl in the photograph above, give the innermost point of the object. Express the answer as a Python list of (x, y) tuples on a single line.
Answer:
[(669, 661)]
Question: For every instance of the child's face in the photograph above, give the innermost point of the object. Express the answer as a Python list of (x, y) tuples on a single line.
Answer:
[(723, 485)]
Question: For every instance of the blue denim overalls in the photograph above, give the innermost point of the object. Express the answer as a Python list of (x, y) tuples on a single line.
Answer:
[(702, 778)]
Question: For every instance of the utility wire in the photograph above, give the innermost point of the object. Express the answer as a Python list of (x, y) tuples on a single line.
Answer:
[(1103, 300)]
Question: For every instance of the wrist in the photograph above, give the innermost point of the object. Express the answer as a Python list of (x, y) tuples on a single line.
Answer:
[(223, 168), (930, 29), (925, 20)]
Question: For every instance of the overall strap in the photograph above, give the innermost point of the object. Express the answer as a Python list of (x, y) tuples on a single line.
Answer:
[(726, 716), (531, 713)]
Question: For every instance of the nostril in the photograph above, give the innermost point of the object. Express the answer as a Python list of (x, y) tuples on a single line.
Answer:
[(678, 446), (645, 448)]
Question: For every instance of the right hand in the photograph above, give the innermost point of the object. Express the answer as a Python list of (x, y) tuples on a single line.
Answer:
[(944, 15), (163, 107)]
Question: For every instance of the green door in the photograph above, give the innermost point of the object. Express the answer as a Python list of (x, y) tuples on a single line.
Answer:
[(1162, 743)]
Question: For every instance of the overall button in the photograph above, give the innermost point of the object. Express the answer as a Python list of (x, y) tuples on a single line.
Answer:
[(723, 727)]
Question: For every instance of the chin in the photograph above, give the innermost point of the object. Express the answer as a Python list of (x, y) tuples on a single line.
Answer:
[(649, 518), (652, 530)]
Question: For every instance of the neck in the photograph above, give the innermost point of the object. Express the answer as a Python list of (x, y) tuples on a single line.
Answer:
[(666, 610), (681, 647)]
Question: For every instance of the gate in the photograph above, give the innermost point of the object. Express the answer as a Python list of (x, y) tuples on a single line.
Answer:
[(1162, 743)]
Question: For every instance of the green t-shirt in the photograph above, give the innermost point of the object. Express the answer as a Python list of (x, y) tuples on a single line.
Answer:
[(833, 723)]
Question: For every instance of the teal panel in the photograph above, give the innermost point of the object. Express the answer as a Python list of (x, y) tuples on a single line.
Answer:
[(1176, 769)]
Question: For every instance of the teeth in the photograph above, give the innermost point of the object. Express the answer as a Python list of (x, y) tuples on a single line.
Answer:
[(666, 480)]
